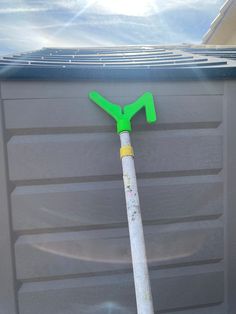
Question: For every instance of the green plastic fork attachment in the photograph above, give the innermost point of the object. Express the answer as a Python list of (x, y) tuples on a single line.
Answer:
[(124, 115)]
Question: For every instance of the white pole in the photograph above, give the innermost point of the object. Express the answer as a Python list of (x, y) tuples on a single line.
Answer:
[(138, 252)]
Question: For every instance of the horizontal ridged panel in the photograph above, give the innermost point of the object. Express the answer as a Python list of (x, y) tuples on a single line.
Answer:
[(115, 294), (81, 155), (103, 203), (95, 251), (49, 89), (80, 112), (58, 208), (211, 309)]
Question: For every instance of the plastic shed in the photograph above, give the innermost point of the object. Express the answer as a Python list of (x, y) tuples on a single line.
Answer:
[(63, 234)]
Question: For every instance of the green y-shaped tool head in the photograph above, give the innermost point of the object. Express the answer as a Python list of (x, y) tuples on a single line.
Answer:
[(124, 115)]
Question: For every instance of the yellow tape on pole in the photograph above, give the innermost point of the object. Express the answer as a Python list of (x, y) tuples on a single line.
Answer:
[(126, 151)]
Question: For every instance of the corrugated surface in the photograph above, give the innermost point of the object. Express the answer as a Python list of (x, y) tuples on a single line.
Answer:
[(118, 63), (71, 244), (149, 56), (220, 52)]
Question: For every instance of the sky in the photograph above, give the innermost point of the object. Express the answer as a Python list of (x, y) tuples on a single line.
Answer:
[(32, 24)]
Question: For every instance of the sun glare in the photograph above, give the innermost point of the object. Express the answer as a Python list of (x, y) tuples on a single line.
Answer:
[(127, 7)]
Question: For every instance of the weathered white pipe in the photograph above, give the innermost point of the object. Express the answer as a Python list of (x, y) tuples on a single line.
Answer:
[(138, 251)]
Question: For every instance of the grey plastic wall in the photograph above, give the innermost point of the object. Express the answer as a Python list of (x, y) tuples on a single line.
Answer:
[(64, 246)]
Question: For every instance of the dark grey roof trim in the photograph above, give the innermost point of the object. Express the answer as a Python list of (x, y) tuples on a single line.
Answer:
[(85, 73), (120, 63)]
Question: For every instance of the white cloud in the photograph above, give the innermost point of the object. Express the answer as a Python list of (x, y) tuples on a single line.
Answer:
[(21, 10), (127, 7), (79, 22)]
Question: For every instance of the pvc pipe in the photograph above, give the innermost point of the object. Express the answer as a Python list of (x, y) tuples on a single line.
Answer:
[(138, 251)]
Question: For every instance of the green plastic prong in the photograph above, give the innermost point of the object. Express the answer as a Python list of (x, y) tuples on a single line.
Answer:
[(124, 115)]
